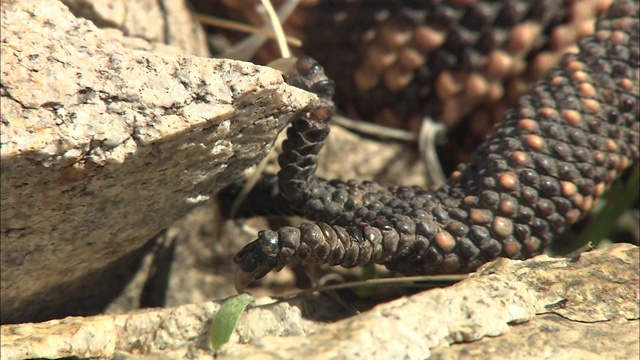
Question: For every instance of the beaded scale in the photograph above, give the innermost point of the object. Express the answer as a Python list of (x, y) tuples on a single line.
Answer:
[(546, 164), (462, 63)]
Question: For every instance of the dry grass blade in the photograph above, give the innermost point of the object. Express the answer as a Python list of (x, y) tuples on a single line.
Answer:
[(431, 134), (371, 129), (277, 28), (405, 280), (249, 29)]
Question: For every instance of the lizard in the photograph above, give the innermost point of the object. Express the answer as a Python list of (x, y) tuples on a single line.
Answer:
[(543, 168)]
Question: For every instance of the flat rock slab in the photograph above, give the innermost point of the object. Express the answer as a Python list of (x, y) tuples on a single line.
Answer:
[(104, 144), (542, 307)]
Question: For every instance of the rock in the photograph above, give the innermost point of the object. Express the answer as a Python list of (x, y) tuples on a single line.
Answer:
[(174, 329), (505, 305), (158, 22), (103, 146), (551, 336)]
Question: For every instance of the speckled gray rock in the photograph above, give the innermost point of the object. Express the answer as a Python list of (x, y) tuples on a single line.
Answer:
[(551, 336), (159, 22), (103, 146), (590, 311)]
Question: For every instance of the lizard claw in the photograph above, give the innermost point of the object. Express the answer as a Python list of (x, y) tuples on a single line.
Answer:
[(307, 74), (257, 259)]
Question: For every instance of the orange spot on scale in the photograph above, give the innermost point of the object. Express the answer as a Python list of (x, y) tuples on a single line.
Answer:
[(508, 181), (445, 241), (528, 125), (534, 142), (572, 117)]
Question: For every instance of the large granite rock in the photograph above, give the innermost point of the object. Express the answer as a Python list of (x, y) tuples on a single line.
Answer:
[(105, 143)]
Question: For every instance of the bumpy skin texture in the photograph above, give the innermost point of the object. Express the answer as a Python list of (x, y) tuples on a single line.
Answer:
[(460, 62), (470, 31), (549, 160)]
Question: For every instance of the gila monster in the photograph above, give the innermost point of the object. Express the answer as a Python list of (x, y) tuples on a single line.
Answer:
[(545, 165)]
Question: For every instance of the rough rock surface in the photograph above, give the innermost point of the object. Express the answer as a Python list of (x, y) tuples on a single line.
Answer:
[(541, 307), (158, 22), (103, 146)]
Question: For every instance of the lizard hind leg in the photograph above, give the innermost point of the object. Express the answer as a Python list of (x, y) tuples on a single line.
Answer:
[(298, 163), (306, 136)]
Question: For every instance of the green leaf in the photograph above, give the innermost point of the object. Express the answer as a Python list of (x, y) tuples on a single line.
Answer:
[(226, 319)]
